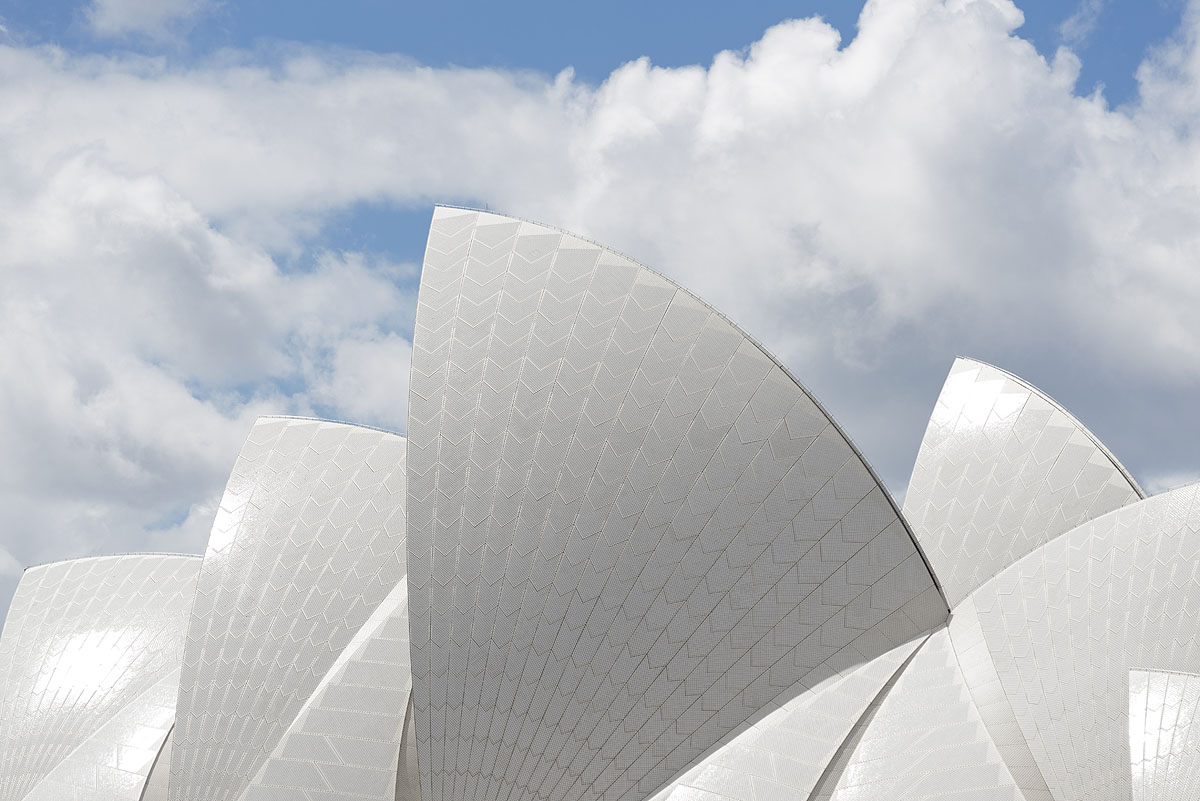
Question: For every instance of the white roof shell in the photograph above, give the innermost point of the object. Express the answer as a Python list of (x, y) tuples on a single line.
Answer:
[(90, 662), (630, 529), (1164, 734), (790, 750), (1066, 624), (643, 562), (307, 545), (1002, 470)]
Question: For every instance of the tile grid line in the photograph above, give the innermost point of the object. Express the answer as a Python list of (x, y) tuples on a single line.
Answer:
[(716, 451), (541, 758), (670, 525), (794, 648), (450, 340), (469, 463), (746, 570), (500, 451), (855, 733), (642, 511), (1084, 429), (426, 775), (624, 400), (121, 555), (987, 651), (248, 768), (537, 440), (766, 352), (616, 419), (662, 591), (89, 739)]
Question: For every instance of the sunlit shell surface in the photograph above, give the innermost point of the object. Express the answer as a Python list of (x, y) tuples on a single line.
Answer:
[(623, 555)]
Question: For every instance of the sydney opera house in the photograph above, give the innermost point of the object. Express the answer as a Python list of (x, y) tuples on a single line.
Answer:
[(624, 555)]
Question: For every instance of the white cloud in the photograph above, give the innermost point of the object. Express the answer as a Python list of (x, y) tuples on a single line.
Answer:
[(154, 18), (139, 343), (1165, 482), (368, 380), (1076, 28), (9, 566), (935, 187)]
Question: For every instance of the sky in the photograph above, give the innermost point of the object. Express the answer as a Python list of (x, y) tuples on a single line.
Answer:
[(211, 211)]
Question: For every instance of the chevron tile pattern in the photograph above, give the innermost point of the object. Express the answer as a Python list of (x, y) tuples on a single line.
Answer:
[(784, 754), (979, 673), (1164, 735), (345, 741), (837, 765), (115, 762), (1002, 470), (624, 556), (1066, 624), (89, 655), (307, 543), (631, 529), (925, 740)]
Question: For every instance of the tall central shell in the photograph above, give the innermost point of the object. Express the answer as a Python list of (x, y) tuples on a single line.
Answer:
[(630, 529)]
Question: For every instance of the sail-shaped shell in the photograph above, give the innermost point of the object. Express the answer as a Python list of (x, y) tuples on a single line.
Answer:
[(1002, 470), (1164, 734), (630, 528), (1066, 624), (89, 666), (307, 545)]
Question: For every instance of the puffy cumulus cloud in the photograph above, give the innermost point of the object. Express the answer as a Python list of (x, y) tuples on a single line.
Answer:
[(934, 187), (866, 208), (158, 19), (367, 379), (139, 342)]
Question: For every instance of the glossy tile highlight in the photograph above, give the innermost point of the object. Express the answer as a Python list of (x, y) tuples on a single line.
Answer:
[(89, 661), (1002, 470)]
